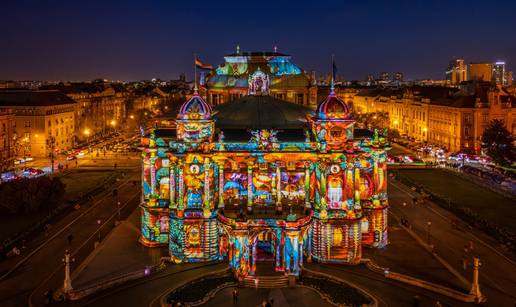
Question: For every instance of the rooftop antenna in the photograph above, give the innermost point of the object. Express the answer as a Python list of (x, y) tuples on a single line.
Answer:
[(238, 49)]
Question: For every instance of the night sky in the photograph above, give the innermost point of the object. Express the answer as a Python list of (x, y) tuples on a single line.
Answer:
[(133, 40)]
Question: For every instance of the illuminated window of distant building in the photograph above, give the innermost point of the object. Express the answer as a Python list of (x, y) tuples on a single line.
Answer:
[(27, 124)]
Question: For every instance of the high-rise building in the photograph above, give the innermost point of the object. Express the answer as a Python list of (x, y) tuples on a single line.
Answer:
[(456, 72), (398, 76), (508, 78), (499, 73), (481, 72), (384, 76)]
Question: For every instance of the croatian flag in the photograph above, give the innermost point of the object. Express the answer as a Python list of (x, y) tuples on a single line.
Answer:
[(201, 65)]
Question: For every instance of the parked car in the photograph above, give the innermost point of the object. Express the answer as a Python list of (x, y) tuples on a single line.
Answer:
[(71, 157)]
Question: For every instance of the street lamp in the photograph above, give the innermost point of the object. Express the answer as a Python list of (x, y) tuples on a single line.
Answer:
[(87, 134), (51, 141), (428, 224)]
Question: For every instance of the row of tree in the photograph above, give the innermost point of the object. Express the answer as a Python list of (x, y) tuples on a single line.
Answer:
[(31, 195)]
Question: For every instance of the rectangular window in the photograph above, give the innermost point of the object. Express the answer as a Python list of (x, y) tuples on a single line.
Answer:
[(27, 124)]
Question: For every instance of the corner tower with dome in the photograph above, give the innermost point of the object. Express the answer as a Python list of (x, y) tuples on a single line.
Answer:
[(264, 183)]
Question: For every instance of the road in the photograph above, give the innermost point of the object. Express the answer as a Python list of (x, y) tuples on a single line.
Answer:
[(498, 269), (40, 266)]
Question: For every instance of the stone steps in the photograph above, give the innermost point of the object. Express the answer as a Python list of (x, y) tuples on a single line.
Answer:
[(268, 282)]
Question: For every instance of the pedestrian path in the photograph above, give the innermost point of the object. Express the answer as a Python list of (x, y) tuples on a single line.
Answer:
[(118, 254)]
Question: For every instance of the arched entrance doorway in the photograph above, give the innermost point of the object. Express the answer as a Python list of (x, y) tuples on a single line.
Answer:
[(265, 253)]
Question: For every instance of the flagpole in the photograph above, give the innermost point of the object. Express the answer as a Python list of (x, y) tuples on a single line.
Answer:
[(332, 73), (195, 73)]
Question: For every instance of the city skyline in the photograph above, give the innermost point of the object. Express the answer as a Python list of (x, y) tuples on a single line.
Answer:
[(72, 41)]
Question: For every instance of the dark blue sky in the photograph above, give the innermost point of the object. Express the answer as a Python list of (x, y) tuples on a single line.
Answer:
[(132, 40)]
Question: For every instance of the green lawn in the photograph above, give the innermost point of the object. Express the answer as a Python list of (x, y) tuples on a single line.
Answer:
[(77, 183), (84, 181), (398, 150), (491, 205)]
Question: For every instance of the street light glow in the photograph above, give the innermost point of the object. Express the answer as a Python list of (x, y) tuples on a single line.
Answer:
[(87, 131), (113, 122)]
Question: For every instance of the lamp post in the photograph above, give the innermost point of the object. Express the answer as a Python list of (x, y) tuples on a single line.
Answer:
[(98, 223), (87, 133), (51, 141), (113, 124), (428, 224)]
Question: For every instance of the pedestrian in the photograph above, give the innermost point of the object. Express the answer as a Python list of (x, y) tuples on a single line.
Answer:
[(272, 302), (75, 163), (416, 301), (466, 250), (438, 304), (464, 263), (470, 245), (235, 296), (47, 229), (49, 296), (70, 239)]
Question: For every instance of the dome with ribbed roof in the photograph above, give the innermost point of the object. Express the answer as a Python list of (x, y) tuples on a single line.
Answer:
[(261, 112), (195, 108), (332, 107)]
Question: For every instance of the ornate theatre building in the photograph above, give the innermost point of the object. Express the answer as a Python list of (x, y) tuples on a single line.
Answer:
[(260, 179), (285, 80)]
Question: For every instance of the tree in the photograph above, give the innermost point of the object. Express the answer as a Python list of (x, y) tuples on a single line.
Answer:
[(393, 134), (498, 142), (31, 195)]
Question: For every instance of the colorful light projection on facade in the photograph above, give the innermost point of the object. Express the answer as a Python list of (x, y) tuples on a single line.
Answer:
[(323, 198)]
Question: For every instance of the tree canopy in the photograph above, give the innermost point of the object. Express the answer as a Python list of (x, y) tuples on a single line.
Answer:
[(498, 142)]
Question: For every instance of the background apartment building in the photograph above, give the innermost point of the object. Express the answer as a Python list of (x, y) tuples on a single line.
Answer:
[(6, 139), (452, 118), (43, 120)]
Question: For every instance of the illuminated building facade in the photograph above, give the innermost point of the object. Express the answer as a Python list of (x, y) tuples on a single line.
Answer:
[(263, 179), (456, 72), (453, 119), (285, 80), (44, 120)]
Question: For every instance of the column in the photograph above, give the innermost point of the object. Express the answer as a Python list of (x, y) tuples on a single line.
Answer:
[(207, 200), (307, 186), (278, 186), (221, 185), (357, 186), (323, 187), (349, 186), (249, 187), (152, 161), (376, 178), (181, 191), (172, 187)]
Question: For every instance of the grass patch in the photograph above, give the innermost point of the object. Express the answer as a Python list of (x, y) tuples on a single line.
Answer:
[(398, 150), (81, 182), (490, 205)]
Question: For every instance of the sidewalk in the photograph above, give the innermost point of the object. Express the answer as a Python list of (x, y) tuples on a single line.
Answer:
[(118, 254), (497, 272), (406, 256)]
